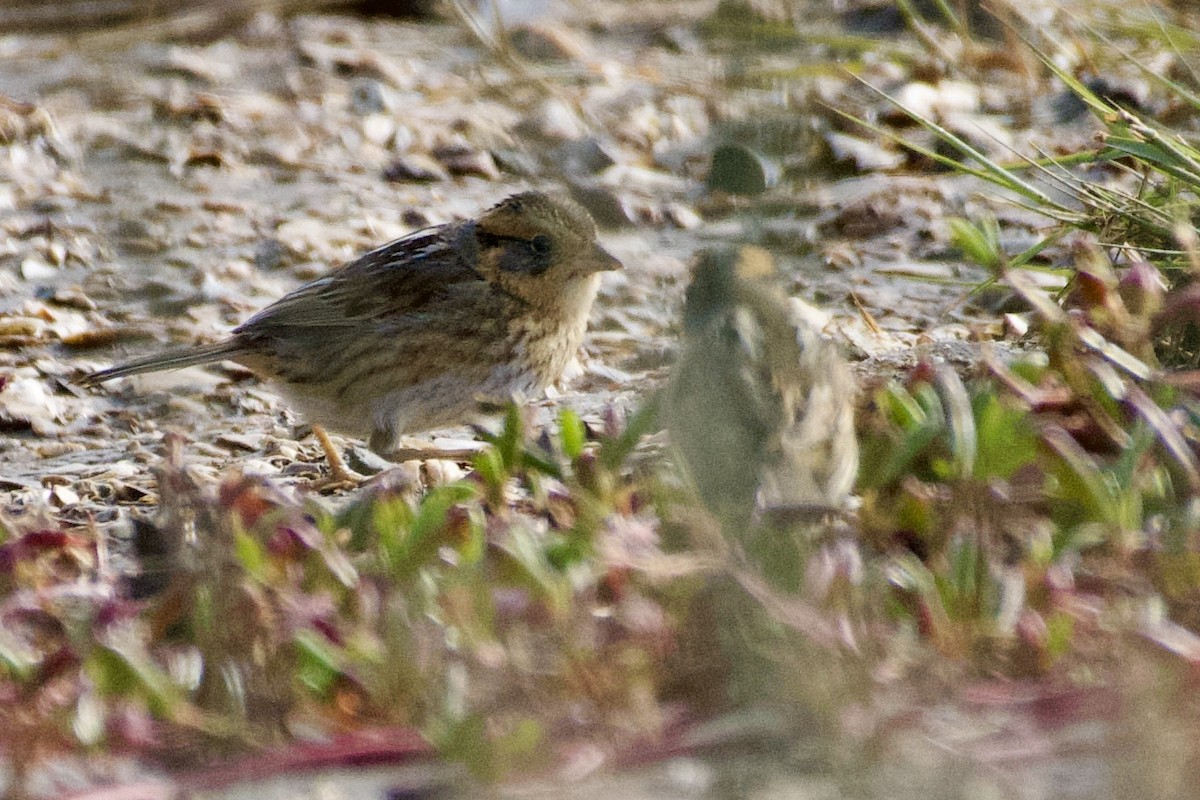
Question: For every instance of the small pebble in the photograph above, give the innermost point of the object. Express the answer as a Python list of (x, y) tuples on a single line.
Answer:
[(365, 462), (608, 208), (555, 120), (35, 269), (465, 160), (64, 496), (737, 169), (439, 472), (268, 255), (417, 168), (546, 42), (379, 129), (366, 97), (73, 297), (588, 156), (249, 442), (682, 217)]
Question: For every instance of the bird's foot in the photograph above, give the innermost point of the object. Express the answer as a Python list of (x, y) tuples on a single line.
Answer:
[(337, 480), (340, 476)]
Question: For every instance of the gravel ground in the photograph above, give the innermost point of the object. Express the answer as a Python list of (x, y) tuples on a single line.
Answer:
[(161, 192)]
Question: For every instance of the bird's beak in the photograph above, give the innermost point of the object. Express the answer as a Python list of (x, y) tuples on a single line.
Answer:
[(600, 260)]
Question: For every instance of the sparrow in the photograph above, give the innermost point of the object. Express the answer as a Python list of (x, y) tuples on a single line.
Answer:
[(418, 333), (759, 407)]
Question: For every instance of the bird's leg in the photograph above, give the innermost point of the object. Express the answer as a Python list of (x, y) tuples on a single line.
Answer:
[(339, 474)]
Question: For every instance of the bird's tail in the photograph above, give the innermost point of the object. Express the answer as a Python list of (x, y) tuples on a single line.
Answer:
[(172, 359)]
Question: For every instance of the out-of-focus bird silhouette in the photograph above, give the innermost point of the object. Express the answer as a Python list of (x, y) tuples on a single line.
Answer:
[(759, 405)]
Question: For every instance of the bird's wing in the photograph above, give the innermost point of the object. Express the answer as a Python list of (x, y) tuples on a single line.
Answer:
[(814, 458), (393, 280)]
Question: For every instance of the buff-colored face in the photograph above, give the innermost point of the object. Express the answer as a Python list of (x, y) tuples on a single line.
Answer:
[(533, 244)]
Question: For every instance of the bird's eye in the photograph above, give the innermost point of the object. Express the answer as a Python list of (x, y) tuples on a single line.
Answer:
[(541, 244)]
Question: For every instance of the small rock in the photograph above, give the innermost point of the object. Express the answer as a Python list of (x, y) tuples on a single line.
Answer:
[(206, 157), (788, 233), (129, 493), (102, 337), (614, 376), (250, 442), (268, 255), (416, 218), (301, 468), (35, 269), (73, 297), (64, 496), (190, 108), (554, 120), (56, 254), (405, 478), (404, 9), (258, 466), (1016, 326), (50, 205), (416, 168), (644, 181), (882, 19), (128, 228), (517, 162), (27, 403), (547, 42), (865, 155), (934, 101), (862, 221), (461, 159), (608, 208), (207, 449), (366, 462), (1069, 106), (439, 472), (588, 156), (21, 326), (366, 97), (877, 20), (379, 129), (981, 131), (198, 64), (737, 169), (54, 449), (500, 14), (10, 483), (682, 217), (137, 237)]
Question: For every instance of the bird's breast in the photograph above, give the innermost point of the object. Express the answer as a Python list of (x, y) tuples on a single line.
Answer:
[(547, 342)]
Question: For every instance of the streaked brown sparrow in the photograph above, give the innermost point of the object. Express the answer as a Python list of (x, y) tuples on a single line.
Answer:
[(416, 334)]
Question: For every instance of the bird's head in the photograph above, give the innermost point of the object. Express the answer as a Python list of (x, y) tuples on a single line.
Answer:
[(541, 248), (722, 277)]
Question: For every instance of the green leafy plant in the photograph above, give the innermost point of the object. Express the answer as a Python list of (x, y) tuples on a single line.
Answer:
[(469, 612)]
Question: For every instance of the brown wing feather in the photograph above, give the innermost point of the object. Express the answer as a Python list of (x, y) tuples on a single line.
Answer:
[(402, 275)]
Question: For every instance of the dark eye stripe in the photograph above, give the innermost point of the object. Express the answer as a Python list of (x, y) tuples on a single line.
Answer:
[(530, 256)]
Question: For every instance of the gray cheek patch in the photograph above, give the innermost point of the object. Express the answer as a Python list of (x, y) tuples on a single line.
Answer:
[(518, 256)]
